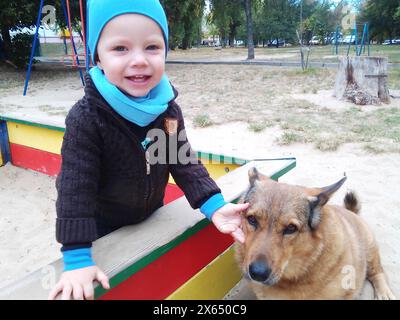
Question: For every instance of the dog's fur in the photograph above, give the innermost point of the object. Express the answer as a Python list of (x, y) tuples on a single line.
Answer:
[(329, 256)]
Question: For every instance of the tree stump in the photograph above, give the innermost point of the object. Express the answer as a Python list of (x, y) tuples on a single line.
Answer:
[(362, 80)]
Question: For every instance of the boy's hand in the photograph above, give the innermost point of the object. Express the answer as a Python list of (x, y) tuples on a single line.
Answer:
[(79, 284), (227, 219)]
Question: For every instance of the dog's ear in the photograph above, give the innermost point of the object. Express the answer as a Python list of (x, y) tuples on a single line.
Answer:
[(318, 201), (255, 175)]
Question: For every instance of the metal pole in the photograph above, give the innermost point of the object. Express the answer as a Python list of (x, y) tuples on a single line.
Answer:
[(72, 40), (368, 40), (87, 37), (28, 73)]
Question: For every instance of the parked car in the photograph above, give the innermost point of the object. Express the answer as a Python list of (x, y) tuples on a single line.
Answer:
[(315, 40), (349, 40), (239, 43), (388, 42), (281, 43), (339, 40)]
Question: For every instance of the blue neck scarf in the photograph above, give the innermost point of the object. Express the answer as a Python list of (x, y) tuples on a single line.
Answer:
[(141, 111)]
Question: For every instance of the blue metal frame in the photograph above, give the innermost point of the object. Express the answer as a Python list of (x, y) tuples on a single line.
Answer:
[(4, 143), (87, 37), (360, 47), (28, 73)]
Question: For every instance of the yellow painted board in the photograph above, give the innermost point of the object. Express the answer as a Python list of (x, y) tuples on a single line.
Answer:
[(1, 160), (216, 170), (35, 137), (213, 282)]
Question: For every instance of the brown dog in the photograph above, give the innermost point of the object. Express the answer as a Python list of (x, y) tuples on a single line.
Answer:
[(298, 247)]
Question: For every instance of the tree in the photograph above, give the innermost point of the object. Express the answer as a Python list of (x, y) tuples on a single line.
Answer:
[(227, 16), (249, 20), (322, 20), (184, 20), (192, 22), (276, 19), (382, 18), (15, 15)]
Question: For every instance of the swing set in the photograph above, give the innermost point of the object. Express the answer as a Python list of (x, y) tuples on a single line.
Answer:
[(359, 44), (76, 61)]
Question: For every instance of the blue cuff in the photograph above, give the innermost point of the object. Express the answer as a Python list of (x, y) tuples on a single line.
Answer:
[(213, 204), (77, 259)]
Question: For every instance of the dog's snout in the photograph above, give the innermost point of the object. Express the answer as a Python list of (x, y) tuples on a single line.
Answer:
[(259, 271)]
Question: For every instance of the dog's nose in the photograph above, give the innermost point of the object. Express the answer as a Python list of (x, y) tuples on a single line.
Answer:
[(259, 271)]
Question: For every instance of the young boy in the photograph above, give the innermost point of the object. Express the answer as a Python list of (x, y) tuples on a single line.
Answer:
[(107, 179)]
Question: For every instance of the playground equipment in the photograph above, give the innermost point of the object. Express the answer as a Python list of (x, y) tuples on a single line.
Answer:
[(360, 46), (175, 254), (76, 62)]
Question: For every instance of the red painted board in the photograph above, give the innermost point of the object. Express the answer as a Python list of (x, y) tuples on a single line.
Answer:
[(37, 160), (172, 192), (165, 275)]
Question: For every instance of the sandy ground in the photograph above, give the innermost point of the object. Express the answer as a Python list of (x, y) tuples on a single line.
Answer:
[(27, 212)]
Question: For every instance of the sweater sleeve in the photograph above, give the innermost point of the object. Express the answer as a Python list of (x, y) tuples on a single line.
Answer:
[(191, 176), (77, 183)]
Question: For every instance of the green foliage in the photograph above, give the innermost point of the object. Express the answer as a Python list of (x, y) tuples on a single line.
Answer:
[(275, 19), (15, 15), (227, 16), (383, 17), (184, 20), (21, 49)]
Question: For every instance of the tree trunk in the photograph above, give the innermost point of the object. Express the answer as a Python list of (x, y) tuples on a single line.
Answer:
[(363, 80), (231, 40), (249, 19), (5, 34)]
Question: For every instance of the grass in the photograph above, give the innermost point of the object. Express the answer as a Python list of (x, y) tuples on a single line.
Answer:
[(394, 78), (202, 121), (378, 131), (259, 126), (318, 53)]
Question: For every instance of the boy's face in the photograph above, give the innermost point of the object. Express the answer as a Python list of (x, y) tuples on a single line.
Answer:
[(131, 52)]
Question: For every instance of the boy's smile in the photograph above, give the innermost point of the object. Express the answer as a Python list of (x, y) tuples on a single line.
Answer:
[(131, 52)]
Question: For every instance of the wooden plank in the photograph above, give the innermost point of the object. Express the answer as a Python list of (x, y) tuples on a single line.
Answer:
[(216, 170), (213, 282), (166, 274), (4, 144), (34, 159), (35, 137), (41, 122)]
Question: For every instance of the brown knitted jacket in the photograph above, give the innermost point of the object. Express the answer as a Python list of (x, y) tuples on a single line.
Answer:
[(105, 178)]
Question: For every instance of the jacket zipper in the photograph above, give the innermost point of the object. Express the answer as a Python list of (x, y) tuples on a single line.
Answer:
[(146, 162)]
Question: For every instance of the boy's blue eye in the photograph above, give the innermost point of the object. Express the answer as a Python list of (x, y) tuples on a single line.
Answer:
[(119, 48), (152, 47)]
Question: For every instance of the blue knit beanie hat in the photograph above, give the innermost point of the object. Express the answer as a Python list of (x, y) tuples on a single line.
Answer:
[(100, 12)]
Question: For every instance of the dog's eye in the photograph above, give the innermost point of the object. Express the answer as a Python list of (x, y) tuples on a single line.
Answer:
[(291, 228), (253, 221)]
